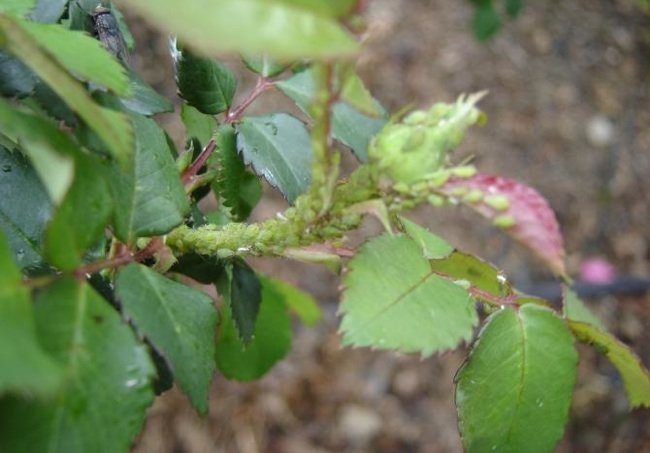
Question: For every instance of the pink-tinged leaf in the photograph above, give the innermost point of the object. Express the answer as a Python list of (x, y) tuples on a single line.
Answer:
[(516, 208)]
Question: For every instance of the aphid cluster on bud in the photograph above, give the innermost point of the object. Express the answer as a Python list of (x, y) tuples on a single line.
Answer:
[(415, 148)]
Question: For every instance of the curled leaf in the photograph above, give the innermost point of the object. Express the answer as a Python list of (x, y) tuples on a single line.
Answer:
[(515, 207)]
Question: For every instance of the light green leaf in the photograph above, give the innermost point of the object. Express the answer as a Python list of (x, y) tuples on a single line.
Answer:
[(97, 65), (349, 126), (149, 196), (635, 376), (197, 125), (50, 150), (264, 66), (576, 310), (204, 83), (23, 215), (108, 387), (80, 220), (112, 127), (433, 247), (239, 189), (480, 274), (301, 303), (514, 391), (248, 27), (17, 7), (336, 8), (393, 300), (270, 342), (355, 93), (25, 368), (179, 321), (278, 147)]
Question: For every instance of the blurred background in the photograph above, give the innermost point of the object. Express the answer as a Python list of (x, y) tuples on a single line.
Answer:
[(568, 110)]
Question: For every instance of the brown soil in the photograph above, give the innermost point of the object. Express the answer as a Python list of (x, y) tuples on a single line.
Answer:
[(568, 109)]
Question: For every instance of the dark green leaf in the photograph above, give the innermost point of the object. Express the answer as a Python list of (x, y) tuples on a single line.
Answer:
[(270, 342), (635, 376), (248, 27), (48, 11), (486, 21), (278, 147), (52, 104), (80, 220), (144, 99), (204, 83), (433, 247), (25, 368), (124, 29), (241, 289), (108, 388), (301, 303), (239, 189), (203, 269), (576, 310), (16, 80), (197, 125), (393, 300), (513, 7), (150, 198), (25, 209), (513, 393), (179, 321)]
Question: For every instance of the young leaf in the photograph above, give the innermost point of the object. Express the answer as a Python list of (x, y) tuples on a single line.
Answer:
[(349, 126), (576, 310), (204, 83), (433, 247), (486, 21), (97, 65), (635, 376), (178, 320), (270, 342), (241, 290), (480, 274), (197, 125), (248, 27), (80, 220), (264, 66), (355, 93), (278, 147), (238, 188), (149, 197), (520, 210), (23, 215), (50, 150), (25, 368), (393, 300), (301, 303), (108, 387), (113, 127), (514, 391)]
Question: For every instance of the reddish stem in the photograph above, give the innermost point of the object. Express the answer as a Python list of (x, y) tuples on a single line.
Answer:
[(261, 86), (200, 161), (124, 258)]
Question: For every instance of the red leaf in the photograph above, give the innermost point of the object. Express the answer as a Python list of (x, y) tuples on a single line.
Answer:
[(518, 209)]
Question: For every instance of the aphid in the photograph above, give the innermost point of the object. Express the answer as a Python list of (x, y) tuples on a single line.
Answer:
[(108, 32)]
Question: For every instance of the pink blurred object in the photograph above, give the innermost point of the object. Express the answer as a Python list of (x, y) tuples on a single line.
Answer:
[(597, 270)]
